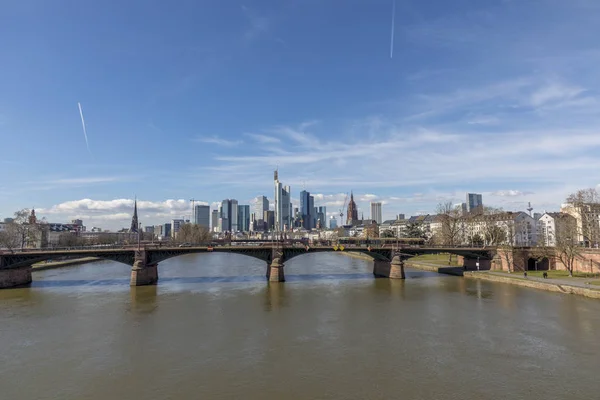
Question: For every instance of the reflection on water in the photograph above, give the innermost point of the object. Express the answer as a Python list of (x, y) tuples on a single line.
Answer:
[(214, 328)]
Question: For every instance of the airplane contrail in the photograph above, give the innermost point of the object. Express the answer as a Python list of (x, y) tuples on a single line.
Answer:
[(393, 26), (84, 131)]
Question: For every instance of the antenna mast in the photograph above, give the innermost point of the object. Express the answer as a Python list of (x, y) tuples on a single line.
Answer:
[(529, 208)]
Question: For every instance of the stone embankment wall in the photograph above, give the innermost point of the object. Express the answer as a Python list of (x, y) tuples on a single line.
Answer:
[(553, 287)]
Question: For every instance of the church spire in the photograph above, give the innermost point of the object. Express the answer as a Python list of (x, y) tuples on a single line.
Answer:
[(134, 220)]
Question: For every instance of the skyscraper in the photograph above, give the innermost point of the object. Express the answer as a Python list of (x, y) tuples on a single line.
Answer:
[(321, 217), (202, 215), (283, 205), (234, 215), (332, 222), (215, 220), (474, 202), (376, 212), (243, 218), (261, 204), (306, 210), (176, 224), (229, 215)]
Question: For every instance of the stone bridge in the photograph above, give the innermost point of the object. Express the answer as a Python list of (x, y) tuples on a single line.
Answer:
[(15, 268)]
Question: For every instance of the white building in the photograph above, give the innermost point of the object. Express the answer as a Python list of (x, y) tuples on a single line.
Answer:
[(519, 228), (376, 212), (587, 217), (283, 205), (261, 204), (553, 225)]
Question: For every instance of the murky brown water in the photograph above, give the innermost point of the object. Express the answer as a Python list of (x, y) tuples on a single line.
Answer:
[(214, 329)]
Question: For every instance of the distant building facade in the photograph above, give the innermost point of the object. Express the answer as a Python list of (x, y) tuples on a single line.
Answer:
[(202, 216), (376, 212)]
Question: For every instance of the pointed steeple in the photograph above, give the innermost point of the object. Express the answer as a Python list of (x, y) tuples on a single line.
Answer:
[(134, 220)]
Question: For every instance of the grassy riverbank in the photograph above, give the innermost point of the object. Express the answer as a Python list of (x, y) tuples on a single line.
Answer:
[(63, 263)]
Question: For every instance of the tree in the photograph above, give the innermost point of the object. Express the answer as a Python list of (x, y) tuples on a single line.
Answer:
[(585, 204), (414, 230), (69, 240), (22, 231), (388, 233), (448, 216), (567, 247), (193, 233)]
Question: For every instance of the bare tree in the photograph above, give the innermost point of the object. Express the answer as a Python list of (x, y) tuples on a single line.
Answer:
[(69, 239), (21, 232), (567, 247), (193, 233), (449, 216), (586, 204)]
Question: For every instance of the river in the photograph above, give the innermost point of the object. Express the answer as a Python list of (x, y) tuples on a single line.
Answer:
[(213, 328)]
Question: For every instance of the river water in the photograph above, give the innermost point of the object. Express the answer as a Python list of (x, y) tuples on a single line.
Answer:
[(214, 329)]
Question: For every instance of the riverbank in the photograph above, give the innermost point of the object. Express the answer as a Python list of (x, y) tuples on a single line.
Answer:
[(567, 286), (64, 263), (448, 270)]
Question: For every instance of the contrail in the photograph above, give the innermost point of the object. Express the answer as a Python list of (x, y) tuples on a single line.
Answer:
[(84, 132), (393, 26)]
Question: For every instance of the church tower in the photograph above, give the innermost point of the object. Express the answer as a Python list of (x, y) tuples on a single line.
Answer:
[(352, 212), (134, 221)]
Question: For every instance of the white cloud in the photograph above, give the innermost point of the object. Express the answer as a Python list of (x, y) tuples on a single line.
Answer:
[(263, 138), (218, 141), (554, 92)]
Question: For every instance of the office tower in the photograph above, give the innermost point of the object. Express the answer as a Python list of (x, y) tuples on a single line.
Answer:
[(243, 218), (474, 202), (307, 210), (261, 204), (202, 215), (234, 216), (269, 220), (332, 222), (229, 215), (376, 212), (283, 205), (321, 217), (166, 230), (176, 224), (215, 220)]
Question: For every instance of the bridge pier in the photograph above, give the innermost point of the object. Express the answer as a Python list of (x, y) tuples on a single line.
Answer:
[(143, 273), (13, 277), (392, 270), (275, 271)]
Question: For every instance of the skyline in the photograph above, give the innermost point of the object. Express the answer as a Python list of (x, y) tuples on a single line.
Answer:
[(206, 100)]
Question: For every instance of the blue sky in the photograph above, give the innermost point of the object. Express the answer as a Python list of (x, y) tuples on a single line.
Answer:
[(203, 99)]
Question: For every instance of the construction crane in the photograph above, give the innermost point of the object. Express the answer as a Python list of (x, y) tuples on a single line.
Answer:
[(193, 210), (342, 210)]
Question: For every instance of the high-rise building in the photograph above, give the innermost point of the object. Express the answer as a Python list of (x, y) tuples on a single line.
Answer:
[(261, 204), (269, 220), (176, 224), (166, 230), (158, 230), (234, 216), (229, 216), (332, 222), (376, 212), (307, 210), (352, 212), (321, 216), (243, 218), (214, 219), (149, 229), (474, 202), (202, 215), (283, 205)]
